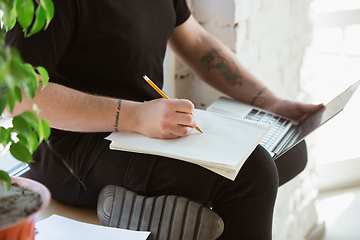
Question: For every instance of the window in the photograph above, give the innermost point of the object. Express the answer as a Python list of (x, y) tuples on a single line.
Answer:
[(331, 65)]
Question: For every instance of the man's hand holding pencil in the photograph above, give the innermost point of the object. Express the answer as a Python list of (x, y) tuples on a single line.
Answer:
[(165, 118), (157, 89)]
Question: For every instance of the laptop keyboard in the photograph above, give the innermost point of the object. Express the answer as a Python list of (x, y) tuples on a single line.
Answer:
[(278, 125)]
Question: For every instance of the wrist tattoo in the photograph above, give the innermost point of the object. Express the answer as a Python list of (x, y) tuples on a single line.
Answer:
[(257, 95), (116, 124), (213, 59)]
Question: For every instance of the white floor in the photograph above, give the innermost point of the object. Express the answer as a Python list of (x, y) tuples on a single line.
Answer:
[(340, 209)]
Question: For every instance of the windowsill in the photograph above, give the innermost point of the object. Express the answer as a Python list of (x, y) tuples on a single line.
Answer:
[(12, 166)]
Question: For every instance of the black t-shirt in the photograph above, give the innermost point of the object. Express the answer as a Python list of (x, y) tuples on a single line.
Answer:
[(104, 48)]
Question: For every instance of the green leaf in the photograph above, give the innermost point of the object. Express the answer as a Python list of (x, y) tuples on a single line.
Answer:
[(6, 13), (31, 74), (27, 66), (32, 80), (4, 71), (11, 82), (10, 103), (6, 180), (13, 19), (40, 131), (2, 103), (25, 13), (5, 135), (39, 20), (33, 84), (21, 125), (44, 75), (19, 75), (33, 141), (45, 129), (17, 94), (3, 88), (20, 152), (48, 5), (30, 117), (9, 16), (28, 78), (22, 139)]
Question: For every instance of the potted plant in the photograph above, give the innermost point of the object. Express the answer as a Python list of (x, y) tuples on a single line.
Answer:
[(27, 130)]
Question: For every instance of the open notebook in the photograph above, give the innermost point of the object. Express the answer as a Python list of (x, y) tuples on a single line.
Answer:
[(223, 147)]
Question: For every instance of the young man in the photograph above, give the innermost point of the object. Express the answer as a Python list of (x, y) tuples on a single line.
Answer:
[(96, 53)]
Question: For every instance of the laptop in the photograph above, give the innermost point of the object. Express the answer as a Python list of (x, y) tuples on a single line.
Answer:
[(284, 133)]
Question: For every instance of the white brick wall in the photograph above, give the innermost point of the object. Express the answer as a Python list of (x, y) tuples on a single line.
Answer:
[(269, 37)]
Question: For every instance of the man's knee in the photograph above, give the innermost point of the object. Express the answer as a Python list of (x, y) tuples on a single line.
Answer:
[(258, 174), (292, 163)]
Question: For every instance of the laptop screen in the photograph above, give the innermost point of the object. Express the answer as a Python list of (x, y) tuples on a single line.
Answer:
[(323, 115)]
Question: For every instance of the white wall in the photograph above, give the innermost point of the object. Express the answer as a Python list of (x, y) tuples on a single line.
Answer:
[(270, 38)]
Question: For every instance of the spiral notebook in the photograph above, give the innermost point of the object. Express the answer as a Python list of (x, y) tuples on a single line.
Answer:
[(223, 147)]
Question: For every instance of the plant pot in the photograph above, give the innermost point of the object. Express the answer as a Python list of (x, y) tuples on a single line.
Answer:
[(25, 228)]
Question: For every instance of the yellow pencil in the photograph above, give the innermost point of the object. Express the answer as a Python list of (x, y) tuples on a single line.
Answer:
[(161, 93)]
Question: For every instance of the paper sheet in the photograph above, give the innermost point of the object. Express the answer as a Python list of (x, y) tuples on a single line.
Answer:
[(56, 227)]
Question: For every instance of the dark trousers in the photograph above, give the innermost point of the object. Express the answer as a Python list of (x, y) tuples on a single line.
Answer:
[(246, 204)]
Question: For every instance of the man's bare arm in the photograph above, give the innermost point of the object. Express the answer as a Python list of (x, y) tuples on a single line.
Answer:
[(217, 65), (68, 109)]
